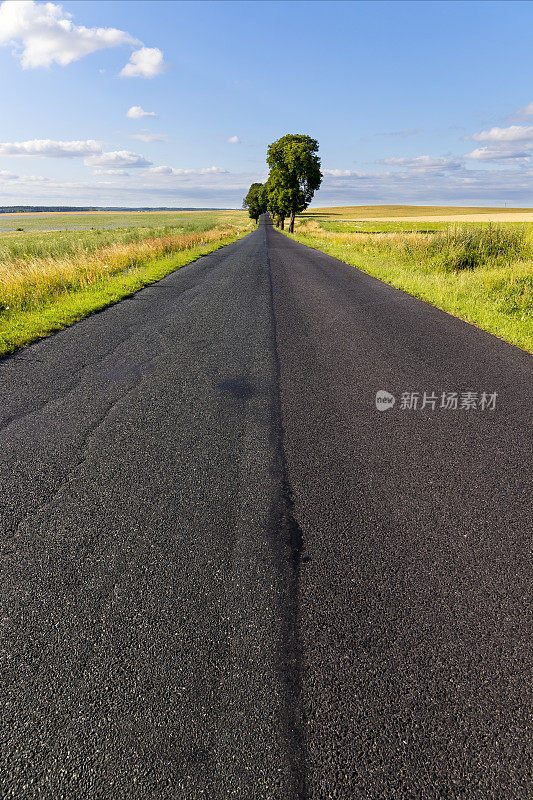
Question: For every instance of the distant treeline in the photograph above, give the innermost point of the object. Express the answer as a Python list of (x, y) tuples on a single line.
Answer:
[(34, 209)]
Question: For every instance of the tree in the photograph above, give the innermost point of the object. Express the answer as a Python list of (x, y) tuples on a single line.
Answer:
[(294, 173), (255, 201), (278, 198)]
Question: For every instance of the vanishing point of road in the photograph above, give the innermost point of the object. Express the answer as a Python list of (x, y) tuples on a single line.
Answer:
[(226, 574)]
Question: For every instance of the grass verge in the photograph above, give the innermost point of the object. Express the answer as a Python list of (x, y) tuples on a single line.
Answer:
[(494, 296), (21, 326)]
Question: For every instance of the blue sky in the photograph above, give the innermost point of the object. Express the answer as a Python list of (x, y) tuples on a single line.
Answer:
[(412, 102)]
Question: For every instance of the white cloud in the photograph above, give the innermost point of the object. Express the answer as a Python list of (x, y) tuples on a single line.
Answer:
[(136, 112), (212, 190), (497, 154), (51, 149), (23, 179), (528, 109), (338, 173), (513, 133), (422, 162), (455, 187), (117, 159), (164, 170), (150, 137), (144, 63), (513, 143), (110, 172), (200, 188), (44, 34), (234, 140)]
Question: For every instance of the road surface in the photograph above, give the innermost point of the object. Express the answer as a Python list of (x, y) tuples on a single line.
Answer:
[(226, 574)]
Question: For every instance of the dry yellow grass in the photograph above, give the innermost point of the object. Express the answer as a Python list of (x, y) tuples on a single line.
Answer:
[(521, 216), (367, 239), (31, 280), (55, 214), (422, 213)]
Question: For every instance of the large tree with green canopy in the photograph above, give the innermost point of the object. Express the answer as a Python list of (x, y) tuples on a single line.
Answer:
[(256, 201), (294, 174)]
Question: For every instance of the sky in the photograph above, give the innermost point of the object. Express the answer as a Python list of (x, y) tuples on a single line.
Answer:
[(174, 103)]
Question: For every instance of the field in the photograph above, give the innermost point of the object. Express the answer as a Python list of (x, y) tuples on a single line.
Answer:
[(56, 270), (480, 271), (475, 263), (88, 220), (421, 213)]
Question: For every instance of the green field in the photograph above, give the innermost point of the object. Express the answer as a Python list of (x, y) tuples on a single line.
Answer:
[(481, 272), (51, 278), (85, 220)]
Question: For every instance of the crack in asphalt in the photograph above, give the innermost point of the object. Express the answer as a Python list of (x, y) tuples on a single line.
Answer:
[(132, 333), (71, 474)]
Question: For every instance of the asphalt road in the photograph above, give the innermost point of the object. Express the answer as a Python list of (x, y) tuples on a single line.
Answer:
[(226, 574)]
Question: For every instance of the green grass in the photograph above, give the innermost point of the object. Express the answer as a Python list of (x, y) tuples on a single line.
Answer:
[(481, 274), (21, 326), (404, 226), (475, 246)]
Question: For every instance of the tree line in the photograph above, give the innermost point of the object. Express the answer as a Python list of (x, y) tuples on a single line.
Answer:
[(293, 179)]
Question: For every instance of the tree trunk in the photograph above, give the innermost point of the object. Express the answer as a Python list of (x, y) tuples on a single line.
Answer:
[(291, 223), (282, 223)]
